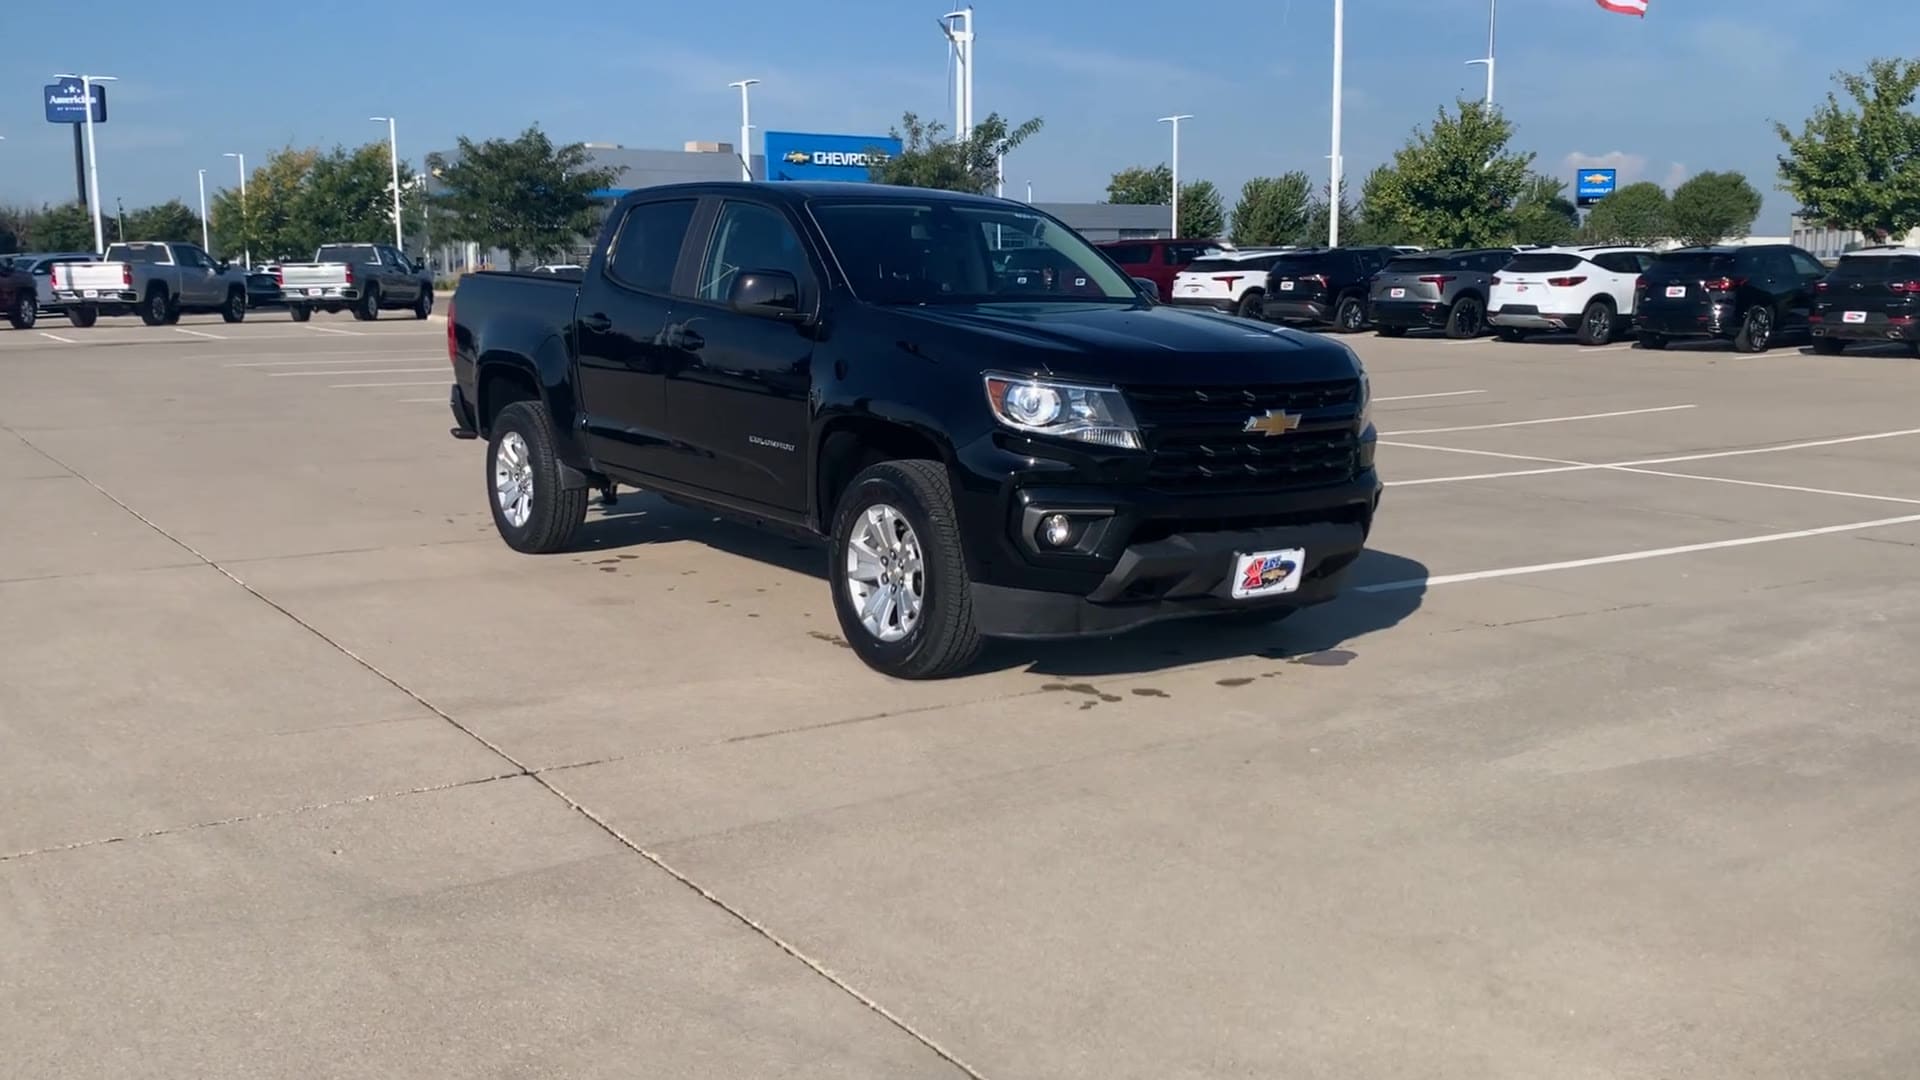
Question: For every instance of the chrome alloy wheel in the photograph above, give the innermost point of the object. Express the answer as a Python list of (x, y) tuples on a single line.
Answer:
[(886, 573), (513, 479)]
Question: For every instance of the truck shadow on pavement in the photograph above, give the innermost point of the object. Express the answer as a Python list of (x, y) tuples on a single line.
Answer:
[(1317, 635)]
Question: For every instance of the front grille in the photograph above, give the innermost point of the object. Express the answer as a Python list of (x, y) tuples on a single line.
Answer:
[(1199, 443)]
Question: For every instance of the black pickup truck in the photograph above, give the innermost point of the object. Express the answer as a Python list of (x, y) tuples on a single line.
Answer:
[(996, 430)]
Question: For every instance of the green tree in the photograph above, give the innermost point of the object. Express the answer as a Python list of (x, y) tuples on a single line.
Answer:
[(270, 221), (16, 228), (1543, 214), (931, 160), (1320, 215), (348, 195), (1712, 207), (170, 220), (1858, 167), (1375, 219), (68, 227), (1140, 185), (1454, 184), (1635, 214), (1272, 210), (524, 195), (1203, 215)]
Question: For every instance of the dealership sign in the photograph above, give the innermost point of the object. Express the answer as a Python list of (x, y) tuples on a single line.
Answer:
[(794, 155), (66, 102), (1592, 185)]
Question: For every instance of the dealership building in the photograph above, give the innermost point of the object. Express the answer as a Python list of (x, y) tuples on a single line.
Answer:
[(794, 156)]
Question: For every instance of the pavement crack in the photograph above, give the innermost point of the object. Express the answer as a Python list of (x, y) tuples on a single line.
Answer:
[(264, 815)]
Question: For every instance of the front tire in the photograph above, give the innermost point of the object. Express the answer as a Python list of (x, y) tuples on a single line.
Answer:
[(26, 311), (423, 307), (300, 312), (1756, 330), (1466, 319), (900, 585), (235, 309), (83, 317), (1596, 324), (532, 508)]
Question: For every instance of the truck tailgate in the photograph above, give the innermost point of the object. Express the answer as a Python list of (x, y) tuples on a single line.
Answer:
[(317, 275), (99, 277)]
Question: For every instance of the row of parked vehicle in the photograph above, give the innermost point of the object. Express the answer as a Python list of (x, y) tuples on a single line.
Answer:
[(1754, 296), (160, 281)]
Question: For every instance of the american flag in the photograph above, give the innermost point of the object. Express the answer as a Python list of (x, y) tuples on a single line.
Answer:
[(1625, 7)]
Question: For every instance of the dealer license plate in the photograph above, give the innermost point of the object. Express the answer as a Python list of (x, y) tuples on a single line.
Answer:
[(1676, 292), (1395, 294), (317, 292), (91, 293), (1286, 286), (1854, 317), (1268, 573)]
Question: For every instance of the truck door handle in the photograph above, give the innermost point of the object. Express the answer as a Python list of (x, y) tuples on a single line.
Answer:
[(596, 322)]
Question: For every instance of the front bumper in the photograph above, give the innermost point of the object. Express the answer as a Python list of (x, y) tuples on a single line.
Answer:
[(1281, 310), (1412, 314), (1211, 303)]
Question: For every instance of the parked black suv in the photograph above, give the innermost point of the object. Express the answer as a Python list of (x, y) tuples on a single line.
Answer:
[(1002, 454), (1326, 286), (1751, 296), (1872, 296), (1435, 290)]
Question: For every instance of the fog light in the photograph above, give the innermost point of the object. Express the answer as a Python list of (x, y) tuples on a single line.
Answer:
[(1056, 530)]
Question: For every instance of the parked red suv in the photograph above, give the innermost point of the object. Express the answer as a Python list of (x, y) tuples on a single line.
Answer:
[(1159, 261)]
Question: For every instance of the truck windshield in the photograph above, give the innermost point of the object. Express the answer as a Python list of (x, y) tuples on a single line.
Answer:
[(902, 252), (139, 253), (348, 253)]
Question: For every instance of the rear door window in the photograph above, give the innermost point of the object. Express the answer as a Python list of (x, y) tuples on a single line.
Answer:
[(647, 248), (1130, 254), (1806, 265)]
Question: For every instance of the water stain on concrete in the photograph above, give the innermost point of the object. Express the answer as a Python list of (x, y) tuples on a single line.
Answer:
[(1327, 658), (1233, 682), (1148, 691), (1088, 689)]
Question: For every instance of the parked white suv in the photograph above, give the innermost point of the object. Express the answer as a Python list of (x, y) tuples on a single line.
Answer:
[(1588, 290), (1232, 281)]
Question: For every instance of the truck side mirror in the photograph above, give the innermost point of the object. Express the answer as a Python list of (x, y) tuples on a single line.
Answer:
[(770, 294), (1147, 286)]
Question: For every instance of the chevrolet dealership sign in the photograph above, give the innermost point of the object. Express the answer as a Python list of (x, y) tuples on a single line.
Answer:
[(793, 155)]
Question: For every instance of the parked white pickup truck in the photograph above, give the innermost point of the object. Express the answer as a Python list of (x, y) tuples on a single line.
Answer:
[(155, 280), (361, 278)]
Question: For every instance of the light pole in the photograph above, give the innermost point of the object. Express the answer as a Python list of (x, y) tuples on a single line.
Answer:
[(245, 226), (1493, 7), (393, 151), (1339, 63), (93, 159), (206, 244), (1175, 121), (746, 129)]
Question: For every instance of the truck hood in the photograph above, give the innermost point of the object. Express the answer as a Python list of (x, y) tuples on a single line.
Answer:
[(1137, 346)]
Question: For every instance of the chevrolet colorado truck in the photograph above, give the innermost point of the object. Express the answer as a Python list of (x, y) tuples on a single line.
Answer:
[(362, 278), (156, 280), (987, 452)]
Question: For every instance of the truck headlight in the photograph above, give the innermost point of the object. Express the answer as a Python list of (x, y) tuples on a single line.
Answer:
[(1090, 414), (1366, 402)]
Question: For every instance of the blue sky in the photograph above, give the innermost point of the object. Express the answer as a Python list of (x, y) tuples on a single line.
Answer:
[(1691, 88)]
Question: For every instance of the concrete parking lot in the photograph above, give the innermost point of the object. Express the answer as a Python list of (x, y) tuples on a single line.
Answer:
[(1607, 767)]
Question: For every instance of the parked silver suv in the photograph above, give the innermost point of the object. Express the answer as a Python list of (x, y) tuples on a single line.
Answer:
[(1435, 290)]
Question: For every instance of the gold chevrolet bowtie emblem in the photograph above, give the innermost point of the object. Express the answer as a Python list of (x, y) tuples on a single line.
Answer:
[(1272, 422)]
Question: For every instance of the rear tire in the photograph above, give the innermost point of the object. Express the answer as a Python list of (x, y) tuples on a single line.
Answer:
[(1756, 330), (1390, 331), (545, 519), (235, 309), (1350, 317), (1653, 341), (1596, 324), (154, 309), (368, 309), (423, 307), (300, 312), (1826, 346), (26, 311), (83, 317), (941, 637), (1466, 319), (1250, 304)]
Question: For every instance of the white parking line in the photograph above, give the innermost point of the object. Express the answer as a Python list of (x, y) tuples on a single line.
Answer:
[(199, 334), (58, 338), (1632, 556), (333, 330), (1607, 348), (1544, 420), (1422, 397), (353, 358), (363, 385), (421, 401), (366, 371), (1565, 466)]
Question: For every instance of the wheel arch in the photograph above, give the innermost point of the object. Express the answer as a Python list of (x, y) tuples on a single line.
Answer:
[(847, 445)]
